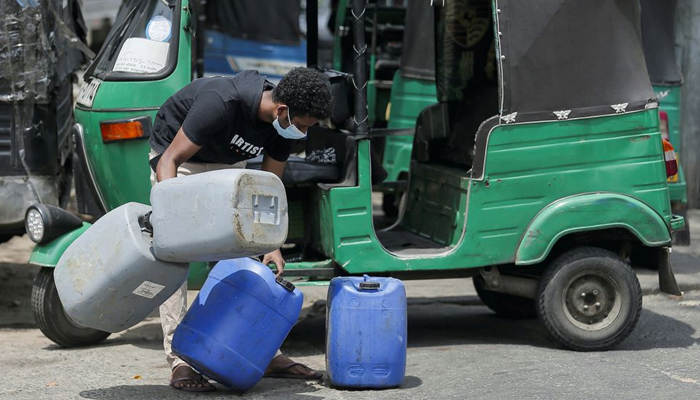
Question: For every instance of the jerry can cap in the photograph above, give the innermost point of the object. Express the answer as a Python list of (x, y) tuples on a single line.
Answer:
[(369, 285), (285, 283)]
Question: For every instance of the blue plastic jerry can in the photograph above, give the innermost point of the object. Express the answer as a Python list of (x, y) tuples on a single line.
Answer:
[(237, 322), (366, 332)]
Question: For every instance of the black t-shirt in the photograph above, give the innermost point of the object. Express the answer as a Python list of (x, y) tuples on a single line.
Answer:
[(219, 114)]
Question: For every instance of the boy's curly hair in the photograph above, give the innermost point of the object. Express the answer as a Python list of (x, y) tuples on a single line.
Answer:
[(306, 91)]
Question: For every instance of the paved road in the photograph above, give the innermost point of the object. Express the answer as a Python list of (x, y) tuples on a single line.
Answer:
[(455, 352), (457, 349)]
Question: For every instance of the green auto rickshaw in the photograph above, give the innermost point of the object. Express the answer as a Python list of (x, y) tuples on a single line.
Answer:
[(413, 89), (539, 173), (659, 30)]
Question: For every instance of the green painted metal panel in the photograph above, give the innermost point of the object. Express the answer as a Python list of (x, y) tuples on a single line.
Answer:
[(121, 168), (436, 205), (309, 264), (48, 254), (528, 167), (590, 212), (338, 35), (670, 102), (197, 275), (408, 98), (679, 191), (677, 223)]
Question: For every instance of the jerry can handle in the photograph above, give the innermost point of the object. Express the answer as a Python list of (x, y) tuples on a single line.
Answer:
[(145, 223), (369, 285), (285, 283)]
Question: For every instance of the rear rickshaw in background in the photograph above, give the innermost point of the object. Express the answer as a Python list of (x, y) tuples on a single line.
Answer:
[(41, 49), (659, 31), (539, 173), (401, 65)]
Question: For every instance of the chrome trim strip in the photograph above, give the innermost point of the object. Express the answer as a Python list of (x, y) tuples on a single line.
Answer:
[(79, 140)]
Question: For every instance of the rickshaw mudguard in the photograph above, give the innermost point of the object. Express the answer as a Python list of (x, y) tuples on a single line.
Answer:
[(590, 212), (48, 254)]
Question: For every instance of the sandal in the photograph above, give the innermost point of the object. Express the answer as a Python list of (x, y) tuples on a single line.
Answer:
[(284, 372), (185, 373)]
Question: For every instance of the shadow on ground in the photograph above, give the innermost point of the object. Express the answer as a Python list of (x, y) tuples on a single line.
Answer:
[(438, 325), (267, 388)]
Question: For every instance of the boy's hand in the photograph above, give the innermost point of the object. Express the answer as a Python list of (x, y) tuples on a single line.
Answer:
[(276, 258)]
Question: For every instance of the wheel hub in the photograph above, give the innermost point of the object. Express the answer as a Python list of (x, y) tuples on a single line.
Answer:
[(592, 301)]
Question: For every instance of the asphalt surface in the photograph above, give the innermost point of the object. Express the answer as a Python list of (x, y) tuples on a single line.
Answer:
[(455, 352), (458, 349)]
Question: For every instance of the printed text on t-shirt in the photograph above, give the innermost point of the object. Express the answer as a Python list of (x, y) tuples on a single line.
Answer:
[(244, 146)]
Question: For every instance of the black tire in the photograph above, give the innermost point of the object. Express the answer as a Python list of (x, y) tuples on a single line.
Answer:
[(53, 321), (589, 299), (505, 305)]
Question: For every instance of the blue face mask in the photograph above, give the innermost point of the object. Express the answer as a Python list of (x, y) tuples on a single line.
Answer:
[(290, 132)]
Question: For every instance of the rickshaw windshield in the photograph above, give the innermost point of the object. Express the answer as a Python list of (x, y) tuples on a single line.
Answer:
[(139, 45)]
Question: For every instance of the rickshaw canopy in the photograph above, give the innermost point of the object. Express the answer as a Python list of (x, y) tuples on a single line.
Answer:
[(418, 51), (561, 59), (658, 29)]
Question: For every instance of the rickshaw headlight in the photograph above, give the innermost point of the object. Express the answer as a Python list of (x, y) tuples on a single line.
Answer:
[(45, 223), (34, 225)]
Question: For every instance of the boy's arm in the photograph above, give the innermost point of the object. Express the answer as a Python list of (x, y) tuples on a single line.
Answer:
[(269, 164), (179, 151)]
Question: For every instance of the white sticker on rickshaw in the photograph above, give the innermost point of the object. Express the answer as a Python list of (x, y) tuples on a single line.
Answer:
[(140, 55), (87, 93), (158, 29)]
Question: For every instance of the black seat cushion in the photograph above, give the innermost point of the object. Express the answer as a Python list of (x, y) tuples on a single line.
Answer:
[(299, 171)]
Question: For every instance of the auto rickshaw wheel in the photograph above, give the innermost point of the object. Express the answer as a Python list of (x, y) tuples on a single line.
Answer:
[(52, 319), (589, 299), (505, 305)]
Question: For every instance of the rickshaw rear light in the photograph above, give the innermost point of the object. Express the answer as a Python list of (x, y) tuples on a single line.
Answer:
[(126, 128), (670, 159), (121, 131), (663, 123)]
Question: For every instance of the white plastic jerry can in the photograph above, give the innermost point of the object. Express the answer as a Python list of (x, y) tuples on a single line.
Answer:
[(218, 215), (109, 278)]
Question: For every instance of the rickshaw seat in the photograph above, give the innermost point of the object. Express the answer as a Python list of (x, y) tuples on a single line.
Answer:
[(432, 127), (327, 152), (300, 171)]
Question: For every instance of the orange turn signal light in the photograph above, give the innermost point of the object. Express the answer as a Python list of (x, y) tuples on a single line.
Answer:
[(121, 131)]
